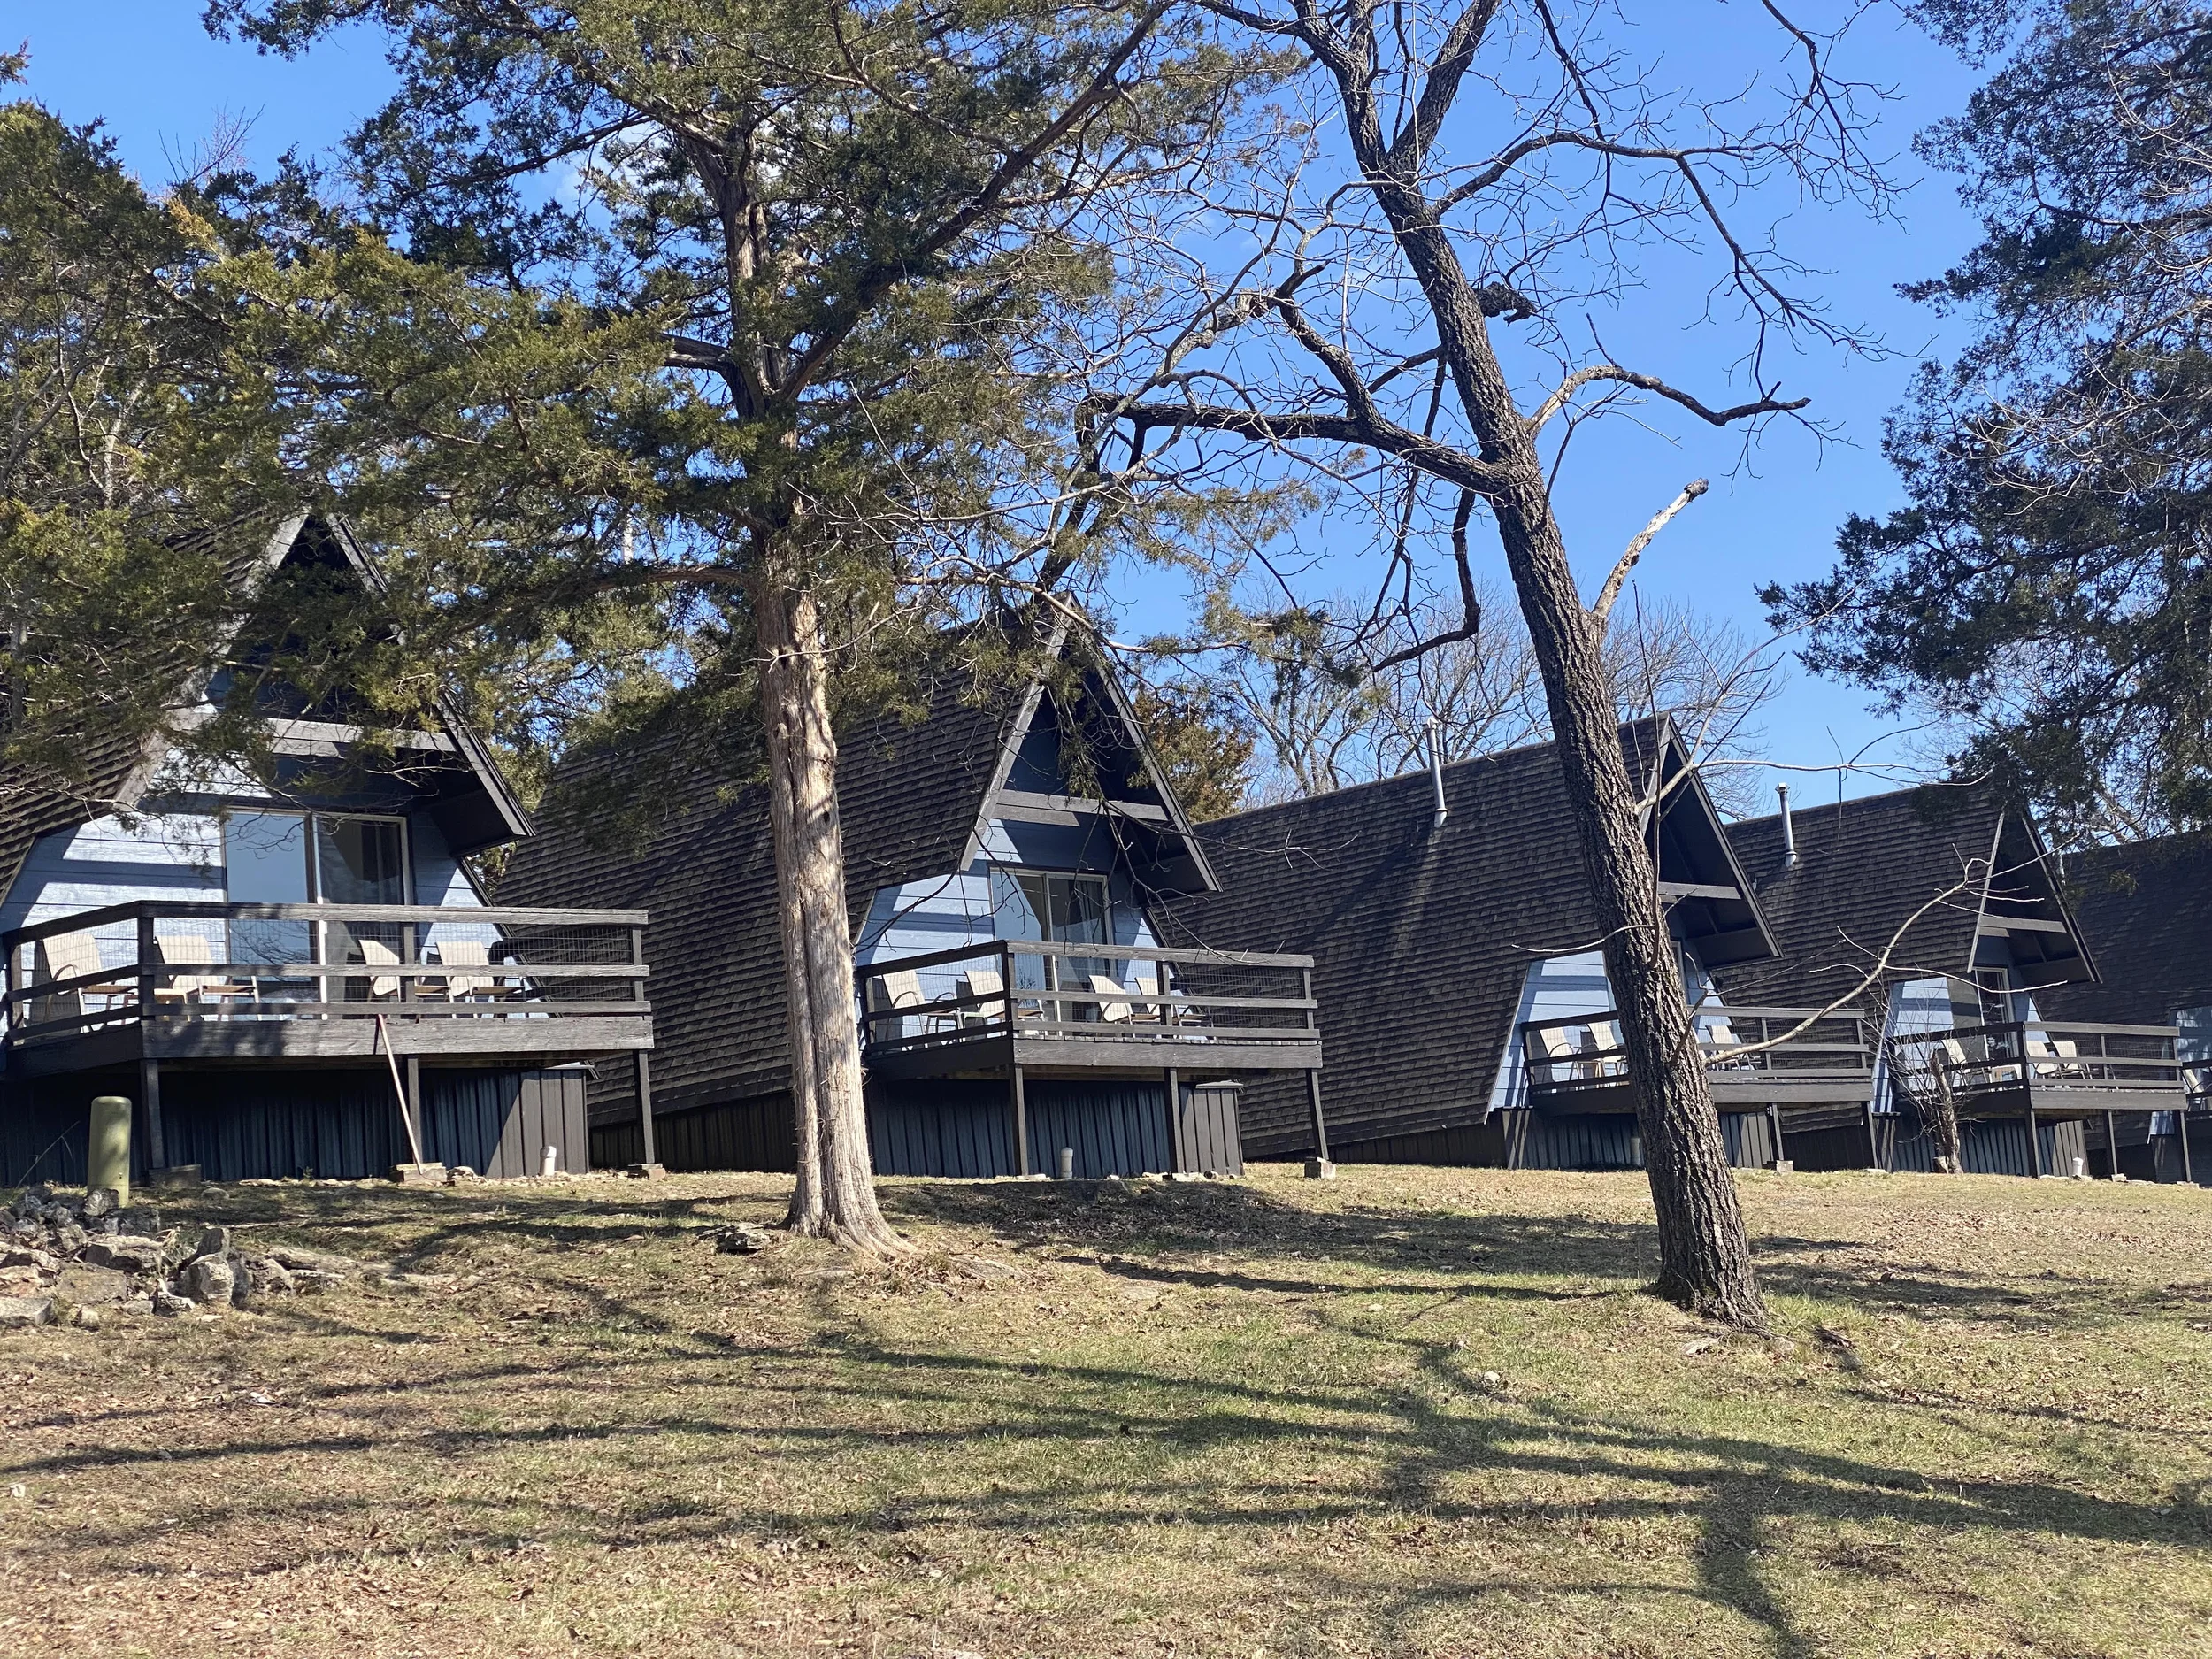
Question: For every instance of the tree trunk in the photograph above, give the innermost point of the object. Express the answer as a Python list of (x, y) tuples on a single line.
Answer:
[(835, 1195), (1705, 1260)]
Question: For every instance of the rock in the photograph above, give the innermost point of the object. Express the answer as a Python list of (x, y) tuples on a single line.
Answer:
[(69, 1238), (306, 1279), (214, 1241), (983, 1270), (313, 1261), (24, 1310), (209, 1280), (23, 1229), (744, 1238), (168, 1303), (92, 1286), (648, 1171), (126, 1251), (264, 1276), (143, 1221), (1490, 1383), (1692, 1349), (88, 1318), (101, 1200), (45, 1261), (461, 1175)]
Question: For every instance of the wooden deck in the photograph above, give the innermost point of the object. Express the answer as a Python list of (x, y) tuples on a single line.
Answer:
[(294, 983), (2054, 1070), (1017, 1004), (1756, 1059)]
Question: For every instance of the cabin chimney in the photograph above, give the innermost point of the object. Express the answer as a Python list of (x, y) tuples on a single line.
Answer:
[(1789, 829), (1436, 772)]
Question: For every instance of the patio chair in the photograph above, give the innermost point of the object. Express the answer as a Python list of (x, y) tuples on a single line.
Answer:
[(71, 956), (899, 991), (1724, 1048), (192, 951), (464, 987), (982, 983), (2054, 1057), (1608, 1058), (1112, 1013), (1563, 1061), (376, 954)]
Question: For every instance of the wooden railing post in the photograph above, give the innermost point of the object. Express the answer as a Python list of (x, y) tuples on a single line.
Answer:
[(148, 954), (410, 938), (1313, 1080)]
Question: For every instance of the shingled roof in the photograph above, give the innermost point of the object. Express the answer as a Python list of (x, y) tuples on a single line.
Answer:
[(1423, 935), (912, 796), (2145, 910), (1899, 885), (117, 766)]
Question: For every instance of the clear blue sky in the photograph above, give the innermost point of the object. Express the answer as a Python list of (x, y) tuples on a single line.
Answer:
[(163, 86)]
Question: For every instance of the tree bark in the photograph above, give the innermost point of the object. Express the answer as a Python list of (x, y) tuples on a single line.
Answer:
[(834, 1195), (1705, 1259)]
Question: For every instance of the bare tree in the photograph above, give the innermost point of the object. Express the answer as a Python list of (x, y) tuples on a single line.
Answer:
[(1323, 721), (1370, 270)]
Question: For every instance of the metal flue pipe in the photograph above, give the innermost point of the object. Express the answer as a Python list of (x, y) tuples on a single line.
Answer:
[(1436, 772), (1789, 829)]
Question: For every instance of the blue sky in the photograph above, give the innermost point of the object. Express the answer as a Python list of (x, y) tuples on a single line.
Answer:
[(163, 86)]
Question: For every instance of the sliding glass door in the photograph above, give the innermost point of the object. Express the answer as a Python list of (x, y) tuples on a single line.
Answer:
[(315, 858)]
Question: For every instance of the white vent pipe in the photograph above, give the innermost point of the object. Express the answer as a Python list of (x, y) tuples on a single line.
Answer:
[(1436, 771)]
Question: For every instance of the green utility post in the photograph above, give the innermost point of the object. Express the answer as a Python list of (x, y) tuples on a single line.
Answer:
[(108, 1153)]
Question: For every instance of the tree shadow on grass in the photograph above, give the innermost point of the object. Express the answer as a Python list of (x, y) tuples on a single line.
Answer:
[(1107, 1445)]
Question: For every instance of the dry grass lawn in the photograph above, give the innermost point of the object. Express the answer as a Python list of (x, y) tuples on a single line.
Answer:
[(1233, 1420)]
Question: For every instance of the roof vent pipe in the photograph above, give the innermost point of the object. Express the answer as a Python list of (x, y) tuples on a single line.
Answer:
[(1789, 829), (1436, 771)]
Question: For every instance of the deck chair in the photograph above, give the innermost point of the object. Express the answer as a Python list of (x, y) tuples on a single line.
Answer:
[(376, 954), (1563, 1060), (981, 983), (191, 950), (465, 953), (1112, 1013), (1608, 1058), (1724, 1048), (70, 956), (2054, 1057), (901, 991)]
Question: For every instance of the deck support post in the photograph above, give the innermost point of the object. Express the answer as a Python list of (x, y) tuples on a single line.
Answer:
[(1873, 1142), (1321, 1167), (2181, 1122), (1175, 1137), (2111, 1148), (645, 1106), (149, 1102), (412, 1071), (2035, 1145), (1018, 1100), (1774, 1123)]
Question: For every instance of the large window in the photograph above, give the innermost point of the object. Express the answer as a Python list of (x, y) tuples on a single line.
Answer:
[(1070, 910), (314, 858)]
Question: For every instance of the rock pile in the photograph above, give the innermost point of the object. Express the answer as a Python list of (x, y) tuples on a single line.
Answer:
[(65, 1258)]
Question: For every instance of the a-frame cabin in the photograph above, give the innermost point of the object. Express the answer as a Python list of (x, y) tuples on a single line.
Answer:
[(1939, 907), (1457, 965), (1007, 854), (295, 973)]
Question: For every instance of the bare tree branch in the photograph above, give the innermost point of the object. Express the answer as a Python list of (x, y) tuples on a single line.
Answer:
[(1626, 563)]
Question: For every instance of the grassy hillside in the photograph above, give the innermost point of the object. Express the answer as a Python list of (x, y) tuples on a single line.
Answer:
[(1420, 1411)]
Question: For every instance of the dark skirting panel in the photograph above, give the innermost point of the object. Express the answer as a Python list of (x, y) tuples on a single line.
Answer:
[(1464, 1146), (337, 1123), (953, 1128), (1749, 1137), (499, 1123), (1998, 1146), (745, 1134), (235, 1124)]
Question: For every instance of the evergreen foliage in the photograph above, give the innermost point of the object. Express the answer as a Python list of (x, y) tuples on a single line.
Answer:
[(2047, 592)]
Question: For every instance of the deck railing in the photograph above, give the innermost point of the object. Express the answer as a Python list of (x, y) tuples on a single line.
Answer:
[(1745, 1048), (2009, 1057), (168, 959), (1085, 993)]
